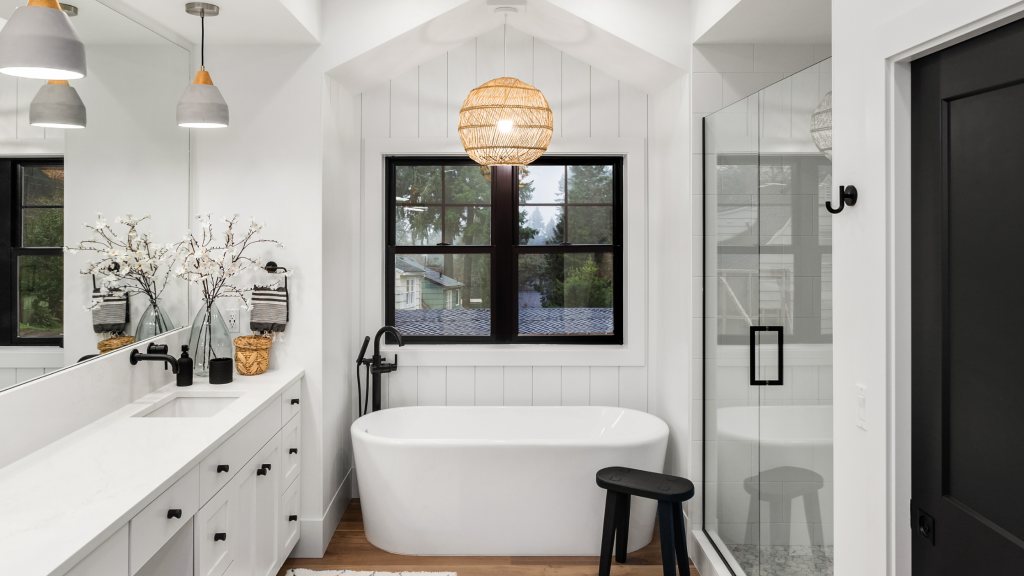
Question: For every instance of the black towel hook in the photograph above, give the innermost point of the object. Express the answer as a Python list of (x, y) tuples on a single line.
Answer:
[(847, 197)]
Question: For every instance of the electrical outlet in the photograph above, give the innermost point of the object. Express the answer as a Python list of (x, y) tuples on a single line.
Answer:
[(232, 318)]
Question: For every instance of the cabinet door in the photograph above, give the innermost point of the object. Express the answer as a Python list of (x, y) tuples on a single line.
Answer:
[(245, 482), (265, 513), (109, 559), (290, 457), (289, 519), (217, 537)]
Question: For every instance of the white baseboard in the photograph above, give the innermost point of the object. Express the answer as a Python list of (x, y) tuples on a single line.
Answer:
[(315, 534), (704, 556)]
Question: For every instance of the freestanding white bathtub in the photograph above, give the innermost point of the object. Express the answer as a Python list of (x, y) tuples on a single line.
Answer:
[(499, 481)]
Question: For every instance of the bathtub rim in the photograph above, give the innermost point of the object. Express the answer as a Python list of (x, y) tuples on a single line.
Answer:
[(661, 433)]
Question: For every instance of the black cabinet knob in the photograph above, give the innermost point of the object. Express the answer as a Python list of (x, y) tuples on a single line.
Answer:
[(261, 472), (293, 518), (295, 401), (265, 466), (293, 450), (222, 468), (220, 536), (174, 513)]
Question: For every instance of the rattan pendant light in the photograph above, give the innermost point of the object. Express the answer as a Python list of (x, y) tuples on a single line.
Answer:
[(505, 122)]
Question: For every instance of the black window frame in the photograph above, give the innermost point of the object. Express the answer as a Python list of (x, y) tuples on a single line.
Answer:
[(505, 249), (11, 248)]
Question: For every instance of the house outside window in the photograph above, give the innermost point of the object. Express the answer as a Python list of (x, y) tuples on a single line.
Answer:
[(528, 254)]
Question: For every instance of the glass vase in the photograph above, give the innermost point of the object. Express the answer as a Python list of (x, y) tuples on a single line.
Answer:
[(209, 339), (153, 322)]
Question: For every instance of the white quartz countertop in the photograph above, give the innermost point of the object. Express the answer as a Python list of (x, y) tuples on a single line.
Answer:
[(61, 502)]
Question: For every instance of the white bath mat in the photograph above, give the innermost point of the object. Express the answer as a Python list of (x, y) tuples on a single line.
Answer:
[(304, 572)]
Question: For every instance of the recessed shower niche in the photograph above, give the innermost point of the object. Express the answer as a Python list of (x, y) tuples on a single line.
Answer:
[(768, 331)]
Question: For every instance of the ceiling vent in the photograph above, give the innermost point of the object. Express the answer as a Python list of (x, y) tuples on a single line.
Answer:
[(506, 6)]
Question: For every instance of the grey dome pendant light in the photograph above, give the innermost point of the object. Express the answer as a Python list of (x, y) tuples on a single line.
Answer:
[(57, 105), (39, 42), (202, 106)]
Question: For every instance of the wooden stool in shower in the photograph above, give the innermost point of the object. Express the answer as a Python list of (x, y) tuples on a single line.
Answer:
[(669, 491)]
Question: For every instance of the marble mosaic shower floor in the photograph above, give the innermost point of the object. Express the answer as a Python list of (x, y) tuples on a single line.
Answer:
[(784, 560)]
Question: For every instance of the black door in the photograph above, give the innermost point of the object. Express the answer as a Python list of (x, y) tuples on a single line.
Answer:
[(968, 307)]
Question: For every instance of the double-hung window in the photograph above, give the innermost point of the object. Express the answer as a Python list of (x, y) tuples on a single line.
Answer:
[(529, 254), (31, 241)]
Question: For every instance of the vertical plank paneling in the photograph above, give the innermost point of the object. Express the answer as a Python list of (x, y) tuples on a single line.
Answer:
[(376, 112), (576, 386), (575, 98), (519, 55), (433, 98), (461, 79), (385, 392), (633, 387), (604, 386), (27, 88), (490, 389), (547, 77), (604, 105), (490, 58), (405, 105), (403, 387), (8, 109), (432, 385), (461, 386), (632, 112), (547, 385), (518, 386)]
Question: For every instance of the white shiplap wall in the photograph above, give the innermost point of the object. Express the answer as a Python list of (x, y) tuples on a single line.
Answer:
[(424, 102)]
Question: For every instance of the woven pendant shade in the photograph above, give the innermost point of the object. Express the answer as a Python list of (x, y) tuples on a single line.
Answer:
[(821, 126), (505, 122)]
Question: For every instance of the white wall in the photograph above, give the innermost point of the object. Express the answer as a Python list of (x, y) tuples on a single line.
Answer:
[(872, 43), (424, 103)]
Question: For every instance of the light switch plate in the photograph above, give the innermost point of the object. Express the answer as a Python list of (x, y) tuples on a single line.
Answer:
[(231, 316), (862, 407)]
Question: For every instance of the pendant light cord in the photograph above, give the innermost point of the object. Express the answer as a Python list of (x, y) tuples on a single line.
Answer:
[(504, 47), (202, 39)]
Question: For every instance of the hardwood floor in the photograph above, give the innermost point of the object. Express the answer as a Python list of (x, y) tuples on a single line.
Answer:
[(349, 550)]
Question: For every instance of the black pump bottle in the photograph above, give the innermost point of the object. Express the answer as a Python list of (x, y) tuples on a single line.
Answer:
[(184, 368)]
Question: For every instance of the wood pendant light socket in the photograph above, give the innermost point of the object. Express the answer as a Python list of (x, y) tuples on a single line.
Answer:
[(59, 82), (45, 3), (203, 77)]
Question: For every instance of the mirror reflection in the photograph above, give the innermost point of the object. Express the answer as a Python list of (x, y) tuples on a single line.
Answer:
[(89, 216)]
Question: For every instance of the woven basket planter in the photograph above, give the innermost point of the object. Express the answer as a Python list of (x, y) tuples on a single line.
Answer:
[(111, 344), (505, 122), (252, 354)]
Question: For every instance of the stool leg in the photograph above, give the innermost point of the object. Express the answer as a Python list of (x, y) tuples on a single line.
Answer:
[(608, 536), (679, 530), (621, 527), (668, 561)]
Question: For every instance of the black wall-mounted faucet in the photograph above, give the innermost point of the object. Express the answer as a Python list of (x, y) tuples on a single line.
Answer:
[(378, 366), (154, 353)]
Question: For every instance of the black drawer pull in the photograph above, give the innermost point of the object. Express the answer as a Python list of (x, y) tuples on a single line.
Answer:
[(222, 468), (295, 400), (261, 472), (220, 536), (174, 513), (293, 518), (293, 450), (265, 466)]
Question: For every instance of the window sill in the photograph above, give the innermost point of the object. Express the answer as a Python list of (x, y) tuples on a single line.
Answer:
[(516, 354)]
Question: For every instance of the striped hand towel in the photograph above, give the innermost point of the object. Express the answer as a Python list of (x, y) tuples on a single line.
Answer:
[(269, 309), (110, 311)]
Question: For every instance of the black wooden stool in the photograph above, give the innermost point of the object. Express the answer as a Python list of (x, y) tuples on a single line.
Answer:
[(669, 491)]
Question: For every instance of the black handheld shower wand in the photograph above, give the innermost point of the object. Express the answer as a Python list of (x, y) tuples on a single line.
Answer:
[(360, 362), (375, 366)]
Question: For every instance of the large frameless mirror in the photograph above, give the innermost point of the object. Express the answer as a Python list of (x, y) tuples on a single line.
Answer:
[(115, 192)]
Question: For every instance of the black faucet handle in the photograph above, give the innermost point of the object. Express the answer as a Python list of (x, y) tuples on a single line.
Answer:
[(155, 348)]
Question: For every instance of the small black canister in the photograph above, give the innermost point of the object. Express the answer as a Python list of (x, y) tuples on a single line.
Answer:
[(221, 370), (184, 368)]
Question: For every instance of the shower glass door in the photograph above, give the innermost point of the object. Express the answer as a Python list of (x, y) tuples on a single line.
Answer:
[(768, 332)]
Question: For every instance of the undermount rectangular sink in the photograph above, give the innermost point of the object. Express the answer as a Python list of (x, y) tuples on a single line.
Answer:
[(190, 407)]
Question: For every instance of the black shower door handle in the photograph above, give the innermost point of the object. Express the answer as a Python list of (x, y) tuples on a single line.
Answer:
[(753, 356)]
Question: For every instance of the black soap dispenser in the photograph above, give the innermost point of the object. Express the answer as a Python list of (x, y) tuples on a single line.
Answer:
[(184, 367)]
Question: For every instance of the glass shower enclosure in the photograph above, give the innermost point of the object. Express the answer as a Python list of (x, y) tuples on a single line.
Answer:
[(768, 329)]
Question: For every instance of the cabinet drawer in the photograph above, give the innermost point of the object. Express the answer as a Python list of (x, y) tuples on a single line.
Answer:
[(238, 449), (109, 559), (155, 525), (217, 534), (290, 401), (289, 519), (291, 437)]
